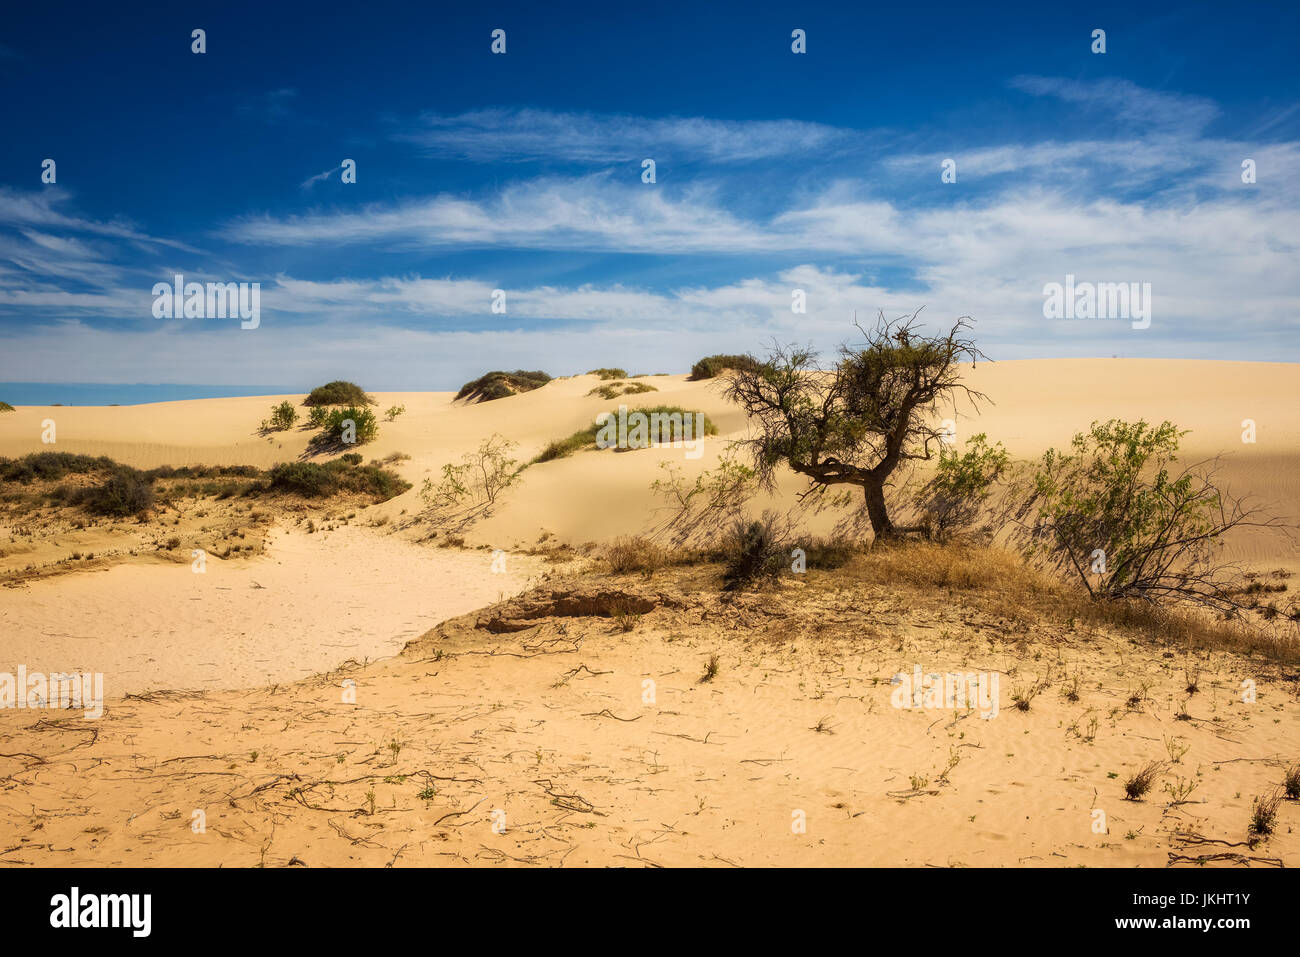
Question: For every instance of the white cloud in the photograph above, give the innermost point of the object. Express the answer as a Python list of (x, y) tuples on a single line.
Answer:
[(516, 135)]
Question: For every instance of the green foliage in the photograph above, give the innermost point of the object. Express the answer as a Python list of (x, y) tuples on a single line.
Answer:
[(670, 430), (6, 407), (283, 416), (609, 373), (314, 480), (394, 411), (613, 390), (478, 480), (962, 483), (125, 492), (712, 366), (1115, 491), (365, 427), (499, 385), (338, 392), (316, 418), (52, 465)]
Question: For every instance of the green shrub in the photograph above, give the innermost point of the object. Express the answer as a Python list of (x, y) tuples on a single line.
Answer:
[(962, 483), (283, 416), (314, 480), (586, 438), (352, 458), (52, 465), (6, 407), (1115, 512), (478, 480), (338, 392), (316, 418), (613, 390), (364, 426), (609, 373), (126, 492), (711, 366), (499, 385), (394, 411)]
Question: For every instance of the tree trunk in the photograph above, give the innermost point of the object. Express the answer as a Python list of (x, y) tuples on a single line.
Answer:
[(880, 523)]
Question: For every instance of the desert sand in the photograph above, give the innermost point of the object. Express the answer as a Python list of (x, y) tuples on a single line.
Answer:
[(515, 727)]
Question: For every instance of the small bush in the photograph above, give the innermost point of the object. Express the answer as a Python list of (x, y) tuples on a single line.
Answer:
[(613, 390), (962, 483), (1140, 783), (357, 424), (394, 411), (753, 552), (669, 430), (1263, 814), (712, 366), (6, 407), (500, 385), (283, 416), (1291, 782), (609, 373), (338, 392), (627, 555), (313, 480), (126, 492), (352, 458), (478, 480)]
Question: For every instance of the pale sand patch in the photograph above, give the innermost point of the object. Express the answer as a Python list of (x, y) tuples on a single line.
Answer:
[(314, 601)]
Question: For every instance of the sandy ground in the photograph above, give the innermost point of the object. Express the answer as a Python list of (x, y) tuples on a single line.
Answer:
[(573, 743), (473, 719), (347, 593)]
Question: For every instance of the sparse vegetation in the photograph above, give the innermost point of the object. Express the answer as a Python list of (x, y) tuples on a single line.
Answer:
[(478, 480), (710, 669), (613, 390), (606, 374), (1263, 814), (1291, 782), (1136, 787), (626, 555), (754, 552), (6, 407), (666, 423), (394, 411)]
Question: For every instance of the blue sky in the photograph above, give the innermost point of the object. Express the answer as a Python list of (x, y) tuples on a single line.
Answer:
[(522, 172)]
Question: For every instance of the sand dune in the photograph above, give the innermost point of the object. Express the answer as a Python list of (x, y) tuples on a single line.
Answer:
[(548, 724)]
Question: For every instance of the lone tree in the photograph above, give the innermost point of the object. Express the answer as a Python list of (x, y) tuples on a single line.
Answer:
[(855, 423)]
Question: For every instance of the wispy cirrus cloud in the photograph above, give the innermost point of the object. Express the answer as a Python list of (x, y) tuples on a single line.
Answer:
[(517, 135)]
